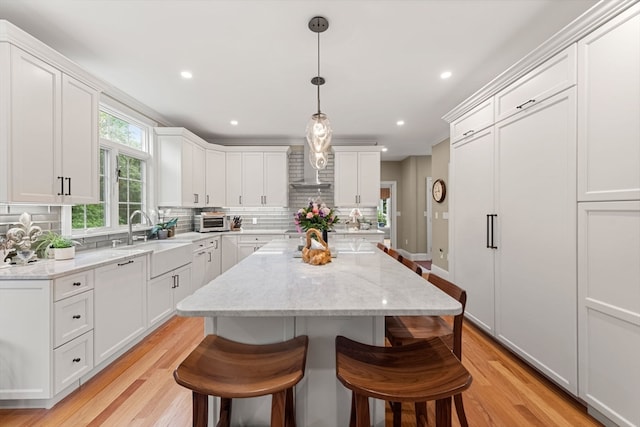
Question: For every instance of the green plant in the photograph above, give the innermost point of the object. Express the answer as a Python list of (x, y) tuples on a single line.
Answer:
[(163, 226), (51, 239), (382, 219)]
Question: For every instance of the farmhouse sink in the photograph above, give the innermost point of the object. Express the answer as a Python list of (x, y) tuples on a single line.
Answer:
[(165, 255)]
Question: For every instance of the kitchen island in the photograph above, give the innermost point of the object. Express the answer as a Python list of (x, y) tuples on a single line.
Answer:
[(272, 296)]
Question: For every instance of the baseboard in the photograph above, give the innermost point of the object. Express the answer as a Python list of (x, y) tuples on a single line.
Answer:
[(414, 257), (440, 272)]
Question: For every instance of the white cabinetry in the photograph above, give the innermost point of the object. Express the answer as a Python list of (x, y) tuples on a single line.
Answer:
[(609, 111), (257, 178), (249, 243), (479, 118), (472, 201), (50, 144), (229, 251), (609, 218), (206, 261), (215, 175), (120, 306), (357, 176), (181, 164), (513, 201), (165, 291)]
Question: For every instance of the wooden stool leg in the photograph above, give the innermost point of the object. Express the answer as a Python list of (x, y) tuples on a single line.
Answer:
[(352, 416), (421, 414), (200, 403), (278, 409), (443, 412), (396, 410), (290, 413), (225, 413), (462, 417), (362, 411)]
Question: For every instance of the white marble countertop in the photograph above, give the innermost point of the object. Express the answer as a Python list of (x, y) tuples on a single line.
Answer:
[(360, 281)]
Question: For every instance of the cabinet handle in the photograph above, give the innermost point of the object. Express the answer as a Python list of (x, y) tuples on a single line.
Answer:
[(177, 280), (215, 244), (490, 229), (77, 283), (68, 187), (75, 316), (239, 200), (469, 132), (209, 256), (525, 103), (61, 186), (207, 199), (76, 360), (174, 282), (125, 263)]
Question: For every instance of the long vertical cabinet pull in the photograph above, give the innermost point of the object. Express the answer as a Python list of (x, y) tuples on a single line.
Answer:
[(68, 193), (61, 178), (490, 231)]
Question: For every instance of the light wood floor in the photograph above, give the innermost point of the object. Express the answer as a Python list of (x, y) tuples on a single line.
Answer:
[(138, 389)]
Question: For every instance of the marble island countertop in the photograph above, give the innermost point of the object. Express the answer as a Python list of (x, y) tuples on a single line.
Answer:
[(360, 281)]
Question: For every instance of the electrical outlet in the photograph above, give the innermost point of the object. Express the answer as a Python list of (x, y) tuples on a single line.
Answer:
[(406, 241), (255, 220)]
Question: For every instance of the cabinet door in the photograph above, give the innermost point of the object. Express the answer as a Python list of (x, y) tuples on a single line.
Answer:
[(25, 316), (473, 122), (252, 179), (120, 306), (160, 298), (234, 179), (609, 308), (472, 201), (35, 130), (183, 285), (276, 178), (199, 268), (213, 262), (229, 256), (169, 170), (79, 153), (189, 195), (536, 262), (346, 178), (216, 175), (609, 110), (198, 178), (369, 178)]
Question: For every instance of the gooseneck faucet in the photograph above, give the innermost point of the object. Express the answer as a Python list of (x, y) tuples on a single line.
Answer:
[(130, 237)]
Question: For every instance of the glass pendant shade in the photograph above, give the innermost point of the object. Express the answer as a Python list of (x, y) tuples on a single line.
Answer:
[(319, 139)]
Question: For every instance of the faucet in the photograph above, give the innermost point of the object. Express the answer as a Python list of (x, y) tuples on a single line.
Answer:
[(130, 237)]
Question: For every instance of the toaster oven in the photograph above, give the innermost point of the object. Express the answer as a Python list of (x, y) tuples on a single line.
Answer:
[(211, 221)]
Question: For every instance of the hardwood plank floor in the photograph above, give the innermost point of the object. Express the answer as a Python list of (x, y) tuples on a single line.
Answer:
[(138, 389)]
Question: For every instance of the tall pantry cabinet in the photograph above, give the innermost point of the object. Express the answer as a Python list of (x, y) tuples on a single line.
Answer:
[(609, 218), (545, 209)]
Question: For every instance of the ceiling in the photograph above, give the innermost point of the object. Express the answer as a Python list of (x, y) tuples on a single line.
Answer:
[(252, 60)]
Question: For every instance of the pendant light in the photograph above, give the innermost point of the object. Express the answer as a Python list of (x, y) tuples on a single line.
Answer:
[(319, 129)]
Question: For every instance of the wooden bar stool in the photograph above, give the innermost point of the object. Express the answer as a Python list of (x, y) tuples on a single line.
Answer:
[(229, 369), (418, 372), (382, 247)]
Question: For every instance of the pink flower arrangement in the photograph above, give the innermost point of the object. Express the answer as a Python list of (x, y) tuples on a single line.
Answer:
[(315, 215)]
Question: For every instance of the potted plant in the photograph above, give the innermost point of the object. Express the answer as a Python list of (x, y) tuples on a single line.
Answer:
[(162, 229), (62, 247)]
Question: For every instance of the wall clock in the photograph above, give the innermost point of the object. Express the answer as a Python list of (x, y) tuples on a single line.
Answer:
[(439, 191)]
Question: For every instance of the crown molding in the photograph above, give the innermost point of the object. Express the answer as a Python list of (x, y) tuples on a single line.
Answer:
[(600, 13)]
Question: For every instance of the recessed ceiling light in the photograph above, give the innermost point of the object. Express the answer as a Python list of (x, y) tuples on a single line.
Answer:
[(445, 75), (234, 122), (400, 122), (186, 74), (385, 149)]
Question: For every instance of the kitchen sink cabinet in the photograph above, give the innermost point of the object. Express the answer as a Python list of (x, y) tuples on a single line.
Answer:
[(257, 178), (165, 291), (49, 153), (120, 306), (357, 176)]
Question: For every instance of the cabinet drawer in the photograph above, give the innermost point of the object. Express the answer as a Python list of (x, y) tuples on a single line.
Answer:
[(72, 360), (472, 122), (551, 77), (261, 238), (67, 286), (73, 317)]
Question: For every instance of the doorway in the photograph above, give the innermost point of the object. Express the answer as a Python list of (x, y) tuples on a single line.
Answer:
[(387, 212)]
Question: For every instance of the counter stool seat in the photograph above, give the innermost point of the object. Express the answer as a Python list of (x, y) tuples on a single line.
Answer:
[(229, 369), (418, 372)]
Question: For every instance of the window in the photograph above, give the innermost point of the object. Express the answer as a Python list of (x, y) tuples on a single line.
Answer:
[(124, 156)]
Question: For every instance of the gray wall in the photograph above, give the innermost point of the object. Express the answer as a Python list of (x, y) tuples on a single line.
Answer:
[(440, 225)]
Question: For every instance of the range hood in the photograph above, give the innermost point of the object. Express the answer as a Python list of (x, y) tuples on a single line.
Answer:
[(311, 178)]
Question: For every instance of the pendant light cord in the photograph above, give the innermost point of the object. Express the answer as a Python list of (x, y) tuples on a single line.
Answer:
[(318, 73)]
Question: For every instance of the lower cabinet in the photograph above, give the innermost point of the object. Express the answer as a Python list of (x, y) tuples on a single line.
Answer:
[(206, 262), (165, 291), (609, 308), (120, 295)]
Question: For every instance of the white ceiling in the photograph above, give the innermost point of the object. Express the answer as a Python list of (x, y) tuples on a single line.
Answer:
[(252, 60)]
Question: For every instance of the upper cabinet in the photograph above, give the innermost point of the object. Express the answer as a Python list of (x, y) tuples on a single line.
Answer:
[(551, 77), (609, 111), (476, 120), (49, 138), (181, 169), (357, 176), (257, 176), (215, 175)]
